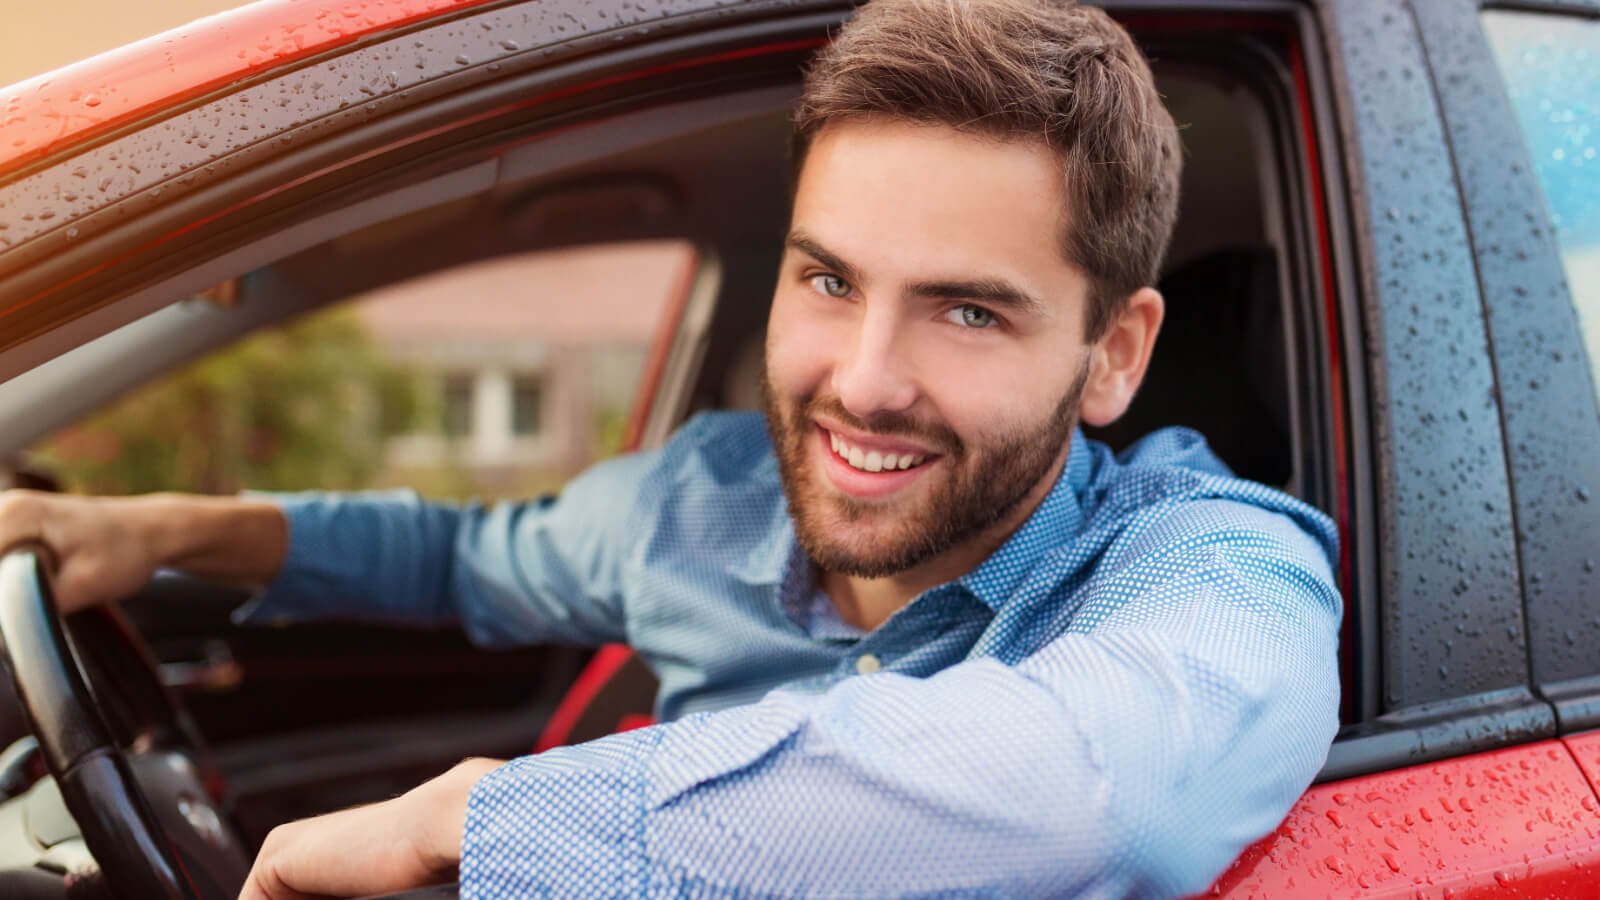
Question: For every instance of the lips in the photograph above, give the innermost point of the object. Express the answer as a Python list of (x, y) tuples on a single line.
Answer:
[(872, 460), (867, 468)]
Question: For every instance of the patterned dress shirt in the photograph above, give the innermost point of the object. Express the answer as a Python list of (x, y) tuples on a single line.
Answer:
[(1134, 687)]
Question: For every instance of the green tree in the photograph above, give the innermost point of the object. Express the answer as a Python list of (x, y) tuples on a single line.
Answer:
[(310, 404)]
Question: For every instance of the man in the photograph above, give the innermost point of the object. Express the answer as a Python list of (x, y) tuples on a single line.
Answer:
[(915, 634)]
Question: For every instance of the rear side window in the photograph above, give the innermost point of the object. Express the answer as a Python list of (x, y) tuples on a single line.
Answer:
[(1551, 66)]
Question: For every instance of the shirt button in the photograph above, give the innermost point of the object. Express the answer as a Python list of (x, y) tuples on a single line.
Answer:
[(866, 664)]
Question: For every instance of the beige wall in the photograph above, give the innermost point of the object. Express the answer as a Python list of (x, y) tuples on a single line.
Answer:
[(39, 35)]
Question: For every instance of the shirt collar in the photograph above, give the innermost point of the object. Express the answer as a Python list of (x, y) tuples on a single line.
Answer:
[(1055, 522), (771, 560)]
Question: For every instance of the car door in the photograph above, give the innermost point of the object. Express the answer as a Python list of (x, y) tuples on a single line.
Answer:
[(1483, 425), (1534, 206)]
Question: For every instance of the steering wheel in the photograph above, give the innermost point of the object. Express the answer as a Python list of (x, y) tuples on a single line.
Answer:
[(131, 767)]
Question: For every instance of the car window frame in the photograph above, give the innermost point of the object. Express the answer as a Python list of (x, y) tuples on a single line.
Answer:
[(1447, 554), (1327, 384), (66, 264)]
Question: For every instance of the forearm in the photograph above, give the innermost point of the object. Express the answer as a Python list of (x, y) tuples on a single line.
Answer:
[(509, 574), (381, 848), (443, 805), (223, 538), (978, 780), (107, 547)]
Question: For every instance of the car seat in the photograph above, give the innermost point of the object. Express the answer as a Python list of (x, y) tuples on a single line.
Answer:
[(1219, 366)]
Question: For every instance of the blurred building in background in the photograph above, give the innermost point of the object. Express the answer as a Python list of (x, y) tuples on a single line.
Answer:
[(529, 365), (494, 380)]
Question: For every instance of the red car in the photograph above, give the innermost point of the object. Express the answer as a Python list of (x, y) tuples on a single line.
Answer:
[(1390, 236)]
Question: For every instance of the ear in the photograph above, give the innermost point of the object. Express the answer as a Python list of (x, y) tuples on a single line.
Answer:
[(1119, 359)]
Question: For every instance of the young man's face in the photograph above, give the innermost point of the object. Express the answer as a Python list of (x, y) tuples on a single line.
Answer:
[(925, 353)]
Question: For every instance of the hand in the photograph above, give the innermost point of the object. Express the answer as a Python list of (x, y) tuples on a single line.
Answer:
[(108, 547), (104, 547), (411, 841)]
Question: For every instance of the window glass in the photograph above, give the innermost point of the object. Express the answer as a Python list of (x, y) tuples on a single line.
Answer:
[(455, 404), (1551, 66), (527, 405), (496, 379)]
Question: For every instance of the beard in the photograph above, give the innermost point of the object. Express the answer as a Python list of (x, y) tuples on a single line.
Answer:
[(981, 483)]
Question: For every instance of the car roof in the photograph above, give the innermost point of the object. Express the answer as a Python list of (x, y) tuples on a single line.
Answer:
[(72, 105)]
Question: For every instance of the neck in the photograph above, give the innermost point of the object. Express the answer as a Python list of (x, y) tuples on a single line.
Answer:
[(867, 602)]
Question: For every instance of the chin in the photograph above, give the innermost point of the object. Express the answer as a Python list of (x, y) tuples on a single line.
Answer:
[(863, 539)]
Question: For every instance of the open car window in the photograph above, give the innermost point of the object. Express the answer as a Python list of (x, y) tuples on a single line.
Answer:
[(499, 378)]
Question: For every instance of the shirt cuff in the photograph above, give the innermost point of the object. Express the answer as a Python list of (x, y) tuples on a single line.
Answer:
[(274, 605)]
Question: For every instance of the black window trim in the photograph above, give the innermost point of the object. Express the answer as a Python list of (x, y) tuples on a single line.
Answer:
[(1369, 49)]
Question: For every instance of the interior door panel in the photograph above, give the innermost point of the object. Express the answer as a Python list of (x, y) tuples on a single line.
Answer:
[(314, 717)]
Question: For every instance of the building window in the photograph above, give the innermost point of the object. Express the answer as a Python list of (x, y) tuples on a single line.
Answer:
[(527, 405), (455, 411)]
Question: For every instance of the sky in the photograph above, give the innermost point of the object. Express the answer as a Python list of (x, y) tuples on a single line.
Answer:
[(39, 35)]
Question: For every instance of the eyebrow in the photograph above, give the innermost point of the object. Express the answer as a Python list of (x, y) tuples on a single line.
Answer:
[(994, 291), (803, 242)]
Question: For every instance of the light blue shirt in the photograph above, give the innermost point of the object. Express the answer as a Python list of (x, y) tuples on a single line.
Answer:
[(1138, 684)]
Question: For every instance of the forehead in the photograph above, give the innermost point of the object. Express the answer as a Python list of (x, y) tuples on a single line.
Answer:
[(905, 198)]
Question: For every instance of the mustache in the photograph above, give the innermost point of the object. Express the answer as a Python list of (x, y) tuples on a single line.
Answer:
[(889, 424)]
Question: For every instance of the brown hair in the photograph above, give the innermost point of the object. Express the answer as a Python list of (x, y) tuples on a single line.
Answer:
[(1023, 69)]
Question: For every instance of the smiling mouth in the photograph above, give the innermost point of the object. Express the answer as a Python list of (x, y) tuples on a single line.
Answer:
[(874, 460)]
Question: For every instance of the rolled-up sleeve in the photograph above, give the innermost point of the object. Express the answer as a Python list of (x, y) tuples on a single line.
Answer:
[(511, 573), (1135, 755)]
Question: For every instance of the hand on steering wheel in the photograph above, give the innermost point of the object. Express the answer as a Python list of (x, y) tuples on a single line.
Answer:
[(130, 765)]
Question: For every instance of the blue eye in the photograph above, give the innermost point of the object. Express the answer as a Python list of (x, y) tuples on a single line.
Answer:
[(832, 285), (972, 317)]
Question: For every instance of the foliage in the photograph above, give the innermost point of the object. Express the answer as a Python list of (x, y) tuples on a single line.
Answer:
[(311, 403)]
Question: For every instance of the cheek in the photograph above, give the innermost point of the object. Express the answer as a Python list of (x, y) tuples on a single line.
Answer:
[(799, 347), (980, 390)]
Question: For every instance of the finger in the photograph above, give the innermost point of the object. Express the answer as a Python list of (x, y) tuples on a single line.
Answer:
[(19, 520)]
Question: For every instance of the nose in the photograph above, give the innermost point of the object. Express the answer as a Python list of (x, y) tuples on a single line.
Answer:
[(872, 374)]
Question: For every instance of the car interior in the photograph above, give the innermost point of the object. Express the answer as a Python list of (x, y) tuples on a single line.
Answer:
[(322, 716)]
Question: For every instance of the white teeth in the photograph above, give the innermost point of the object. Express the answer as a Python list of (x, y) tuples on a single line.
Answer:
[(873, 460)]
